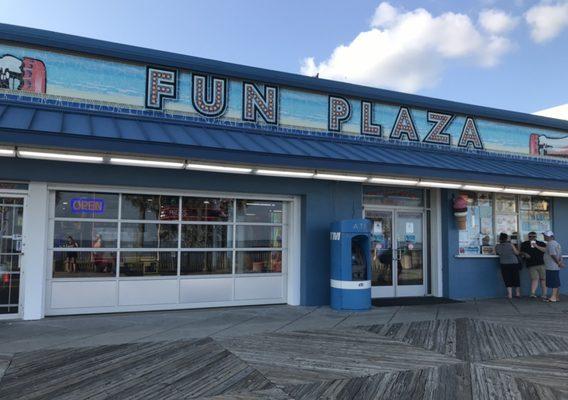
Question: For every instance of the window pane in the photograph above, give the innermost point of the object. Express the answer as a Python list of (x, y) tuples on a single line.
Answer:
[(148, 263), (85, 234), (83, 264), (206, 262), (207, 209), (258, 261), (393, 196), (505, 214), (148, 207), (535, 216), (259, 236), (203, 236), (477, 237), (148, 235), (86, 205), (9, 263), (9, 292), (259, 211)]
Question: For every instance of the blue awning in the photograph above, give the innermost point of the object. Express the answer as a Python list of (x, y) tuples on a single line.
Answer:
[(42, 126)]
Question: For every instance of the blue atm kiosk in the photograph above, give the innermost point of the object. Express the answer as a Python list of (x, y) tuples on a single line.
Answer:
[(351, 264)]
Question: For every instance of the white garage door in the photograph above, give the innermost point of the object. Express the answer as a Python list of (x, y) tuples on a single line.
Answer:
[(129, 251)]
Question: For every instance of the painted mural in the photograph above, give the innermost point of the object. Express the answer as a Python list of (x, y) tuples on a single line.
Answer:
[(85, 82)]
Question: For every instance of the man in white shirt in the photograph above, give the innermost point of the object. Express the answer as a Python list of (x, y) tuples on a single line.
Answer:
[(553, 263)]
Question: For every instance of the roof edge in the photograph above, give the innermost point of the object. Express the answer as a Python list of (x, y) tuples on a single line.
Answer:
[(72, 43)]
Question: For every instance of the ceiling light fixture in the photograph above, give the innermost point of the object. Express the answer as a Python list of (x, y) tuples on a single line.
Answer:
[(59, 156), (146, 163), (340, 177), (218, 168)]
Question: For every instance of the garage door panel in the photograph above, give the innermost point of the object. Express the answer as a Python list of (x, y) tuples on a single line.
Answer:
[(206, 290), (147, 292), (258, 287), (66, 294)]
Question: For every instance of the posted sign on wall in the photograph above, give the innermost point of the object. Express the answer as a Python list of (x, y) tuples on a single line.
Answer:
[(73, 80)]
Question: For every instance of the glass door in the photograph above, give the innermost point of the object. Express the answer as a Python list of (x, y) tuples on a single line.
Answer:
[(382, 253), (410, 253), (397, 253), (11, 219)]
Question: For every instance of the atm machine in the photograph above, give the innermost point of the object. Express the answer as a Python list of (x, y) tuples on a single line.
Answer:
[(351, 264)]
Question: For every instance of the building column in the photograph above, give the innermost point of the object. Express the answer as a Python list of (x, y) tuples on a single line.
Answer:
[(34, 248)]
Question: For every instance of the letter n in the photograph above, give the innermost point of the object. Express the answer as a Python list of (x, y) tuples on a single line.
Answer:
[(256, 103)]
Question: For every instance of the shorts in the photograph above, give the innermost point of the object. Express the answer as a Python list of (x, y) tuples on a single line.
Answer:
[(537, 272), (552, 279), (510, 273)]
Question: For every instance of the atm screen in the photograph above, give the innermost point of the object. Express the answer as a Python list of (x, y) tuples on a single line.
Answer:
[(358, 259)]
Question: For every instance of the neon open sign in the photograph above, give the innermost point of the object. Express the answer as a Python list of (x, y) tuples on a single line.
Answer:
[(85, 205)]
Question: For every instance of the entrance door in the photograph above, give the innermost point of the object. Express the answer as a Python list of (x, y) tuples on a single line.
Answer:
[(398, 253), (11, 219)]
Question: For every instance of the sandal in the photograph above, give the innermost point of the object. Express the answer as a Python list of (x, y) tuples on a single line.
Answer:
[(552, 301), (532, 296)]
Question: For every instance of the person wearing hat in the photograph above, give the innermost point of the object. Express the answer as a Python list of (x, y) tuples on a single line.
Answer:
[(535, 263), (553, 263)]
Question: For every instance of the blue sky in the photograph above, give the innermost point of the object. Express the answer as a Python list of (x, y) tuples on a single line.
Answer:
[(443, 50)]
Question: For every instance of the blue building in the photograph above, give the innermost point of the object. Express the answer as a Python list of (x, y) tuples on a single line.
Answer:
[(134, 179)]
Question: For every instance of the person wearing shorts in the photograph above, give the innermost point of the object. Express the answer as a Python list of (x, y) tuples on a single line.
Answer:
[(535, 263), (510, 266), (553, 263)]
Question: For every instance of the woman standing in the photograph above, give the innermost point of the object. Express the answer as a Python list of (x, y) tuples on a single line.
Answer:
[(510, 265)]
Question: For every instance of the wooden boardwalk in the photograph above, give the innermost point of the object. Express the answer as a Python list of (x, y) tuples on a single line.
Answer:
[(463, 358)]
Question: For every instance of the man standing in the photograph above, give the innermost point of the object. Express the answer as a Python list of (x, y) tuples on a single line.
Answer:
[(553, 263), (535, 263)]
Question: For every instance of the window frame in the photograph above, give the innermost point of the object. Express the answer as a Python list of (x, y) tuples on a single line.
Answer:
[(494, 216), (117, 251)]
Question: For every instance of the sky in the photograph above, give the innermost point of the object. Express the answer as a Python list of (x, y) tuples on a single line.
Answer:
[(509, 54)]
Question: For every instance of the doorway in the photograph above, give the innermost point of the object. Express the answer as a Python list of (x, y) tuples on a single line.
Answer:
[(398, 252), (11, 223)]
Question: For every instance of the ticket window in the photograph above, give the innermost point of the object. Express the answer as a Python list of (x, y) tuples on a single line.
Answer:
[(358, 259)]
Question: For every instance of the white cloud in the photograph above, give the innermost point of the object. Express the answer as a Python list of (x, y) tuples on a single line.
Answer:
[(559, 112), (547, 20), (407, 50), (497, 22)]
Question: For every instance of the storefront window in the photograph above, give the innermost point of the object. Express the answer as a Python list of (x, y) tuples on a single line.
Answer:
[(84, 264), (258, 261), (149, 235), (259, 211), (534, 216), (206, 262), (207, 209), (489, 214), (85, 234), (259, 236), (207, 236), (478, 237), (144, 207), (152, 236), (82, 205), (148, 263)]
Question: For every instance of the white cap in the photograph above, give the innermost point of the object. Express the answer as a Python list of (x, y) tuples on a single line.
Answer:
[(548, 233)]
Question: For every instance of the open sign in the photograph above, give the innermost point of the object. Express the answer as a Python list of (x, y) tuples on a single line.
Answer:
[(84, 205)]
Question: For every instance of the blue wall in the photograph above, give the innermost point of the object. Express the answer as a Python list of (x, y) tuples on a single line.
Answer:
[(322, 201), (467, 278)]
